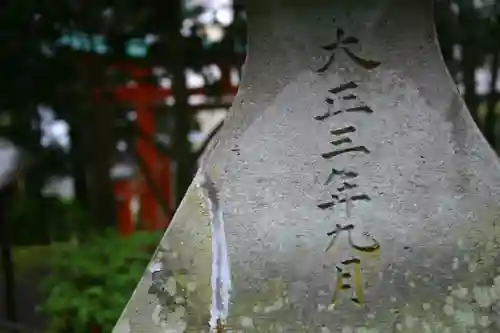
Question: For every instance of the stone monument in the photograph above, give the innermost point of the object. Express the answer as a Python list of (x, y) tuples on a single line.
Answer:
[(349, 190)]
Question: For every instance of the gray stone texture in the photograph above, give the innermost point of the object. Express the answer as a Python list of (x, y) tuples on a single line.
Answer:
[(424, 203)]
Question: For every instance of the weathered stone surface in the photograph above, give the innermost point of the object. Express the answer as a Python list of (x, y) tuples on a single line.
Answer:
[(422, 198)]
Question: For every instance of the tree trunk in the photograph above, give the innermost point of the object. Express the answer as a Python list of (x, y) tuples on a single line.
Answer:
[(491, 117), (78, 155), (101, 144), (443, 15), (181, 147), (35, 179), (6, 263), (103, 202), (470, 59)]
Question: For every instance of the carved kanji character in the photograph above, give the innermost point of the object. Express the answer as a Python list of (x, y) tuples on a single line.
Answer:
[(330, 102), (374, 246), (349, 278), (345, 174), (341, 131), (343, 43)]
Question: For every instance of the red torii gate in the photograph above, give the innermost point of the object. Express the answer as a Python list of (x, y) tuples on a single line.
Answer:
[(156, 165), (142, 95)]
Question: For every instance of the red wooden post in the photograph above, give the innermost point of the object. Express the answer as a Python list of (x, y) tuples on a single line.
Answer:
[(165, 181), (124, 194), (149, 155), (141, 96)]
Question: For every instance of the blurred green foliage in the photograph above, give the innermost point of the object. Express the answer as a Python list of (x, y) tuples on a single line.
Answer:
[(90, 283)]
